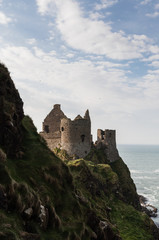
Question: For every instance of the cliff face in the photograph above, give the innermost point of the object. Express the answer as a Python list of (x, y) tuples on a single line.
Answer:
[(11, 114), (43, 197)]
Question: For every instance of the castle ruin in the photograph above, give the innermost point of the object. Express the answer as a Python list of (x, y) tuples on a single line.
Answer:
[(107, 140), (74, 136)]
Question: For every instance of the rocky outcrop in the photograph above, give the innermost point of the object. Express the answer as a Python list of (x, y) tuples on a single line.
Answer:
[(11, 114), (102, 230), (150, 210)]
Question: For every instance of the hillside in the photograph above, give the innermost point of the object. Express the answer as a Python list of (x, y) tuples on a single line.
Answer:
[(47, 198)]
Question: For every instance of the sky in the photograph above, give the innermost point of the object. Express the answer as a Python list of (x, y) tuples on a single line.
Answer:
[(101, 55)]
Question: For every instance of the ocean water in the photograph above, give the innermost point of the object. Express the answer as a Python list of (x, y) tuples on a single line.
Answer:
[(143, 163)]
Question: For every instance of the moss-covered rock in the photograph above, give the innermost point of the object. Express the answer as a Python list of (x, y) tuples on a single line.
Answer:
[(126, 183), (102, 188)]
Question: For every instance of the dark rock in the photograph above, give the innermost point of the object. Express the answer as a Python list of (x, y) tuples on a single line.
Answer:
[(44, 215), (28, 213), (3, 198), (150, 210), (3, 156), (29, 236), (11, 114), (101, 228), (142, 199), (7, 236)]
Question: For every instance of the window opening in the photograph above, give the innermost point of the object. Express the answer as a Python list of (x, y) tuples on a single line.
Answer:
[(46, 128), (83, 137)]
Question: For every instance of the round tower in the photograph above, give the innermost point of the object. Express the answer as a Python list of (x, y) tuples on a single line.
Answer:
[(76, 135)]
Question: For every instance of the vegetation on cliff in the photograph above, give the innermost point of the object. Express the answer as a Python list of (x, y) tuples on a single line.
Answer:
[(44, 197)]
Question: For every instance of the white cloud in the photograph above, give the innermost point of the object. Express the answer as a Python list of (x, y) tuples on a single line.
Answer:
[(4, 19), (106, 82), (31, 41), (96, 16), (105, 4), (150, 87), (145, 2), (70, 55), (155, 64), (157, 6), (102, 86), (97, 36), (52, 35), (44, 6), (153, 15), (152, 58)]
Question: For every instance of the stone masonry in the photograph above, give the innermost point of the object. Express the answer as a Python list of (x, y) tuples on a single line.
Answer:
[(107, 140), (72, 136), (75, 137), (51, 127)]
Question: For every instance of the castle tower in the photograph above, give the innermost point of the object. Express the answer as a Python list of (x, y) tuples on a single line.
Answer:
[(76, 135), (51, 127), (107, 140)]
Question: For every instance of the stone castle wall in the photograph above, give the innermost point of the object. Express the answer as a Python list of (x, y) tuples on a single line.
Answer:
[(72, 136), (76, 136), (107, 140), (51, 123), (51, 127)]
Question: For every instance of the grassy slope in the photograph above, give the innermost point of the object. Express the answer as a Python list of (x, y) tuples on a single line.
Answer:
[(132, 224), (71, 194), (39, 178)]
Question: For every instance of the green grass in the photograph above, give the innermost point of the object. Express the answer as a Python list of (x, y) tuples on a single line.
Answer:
[(132, 225), (69, 190), (126, 183)]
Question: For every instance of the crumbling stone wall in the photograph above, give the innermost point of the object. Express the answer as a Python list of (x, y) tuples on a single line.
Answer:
[(107, 140), (72, 136), (51, 127), (76, 135)]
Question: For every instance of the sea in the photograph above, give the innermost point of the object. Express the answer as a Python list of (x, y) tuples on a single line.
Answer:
[(143, 163)]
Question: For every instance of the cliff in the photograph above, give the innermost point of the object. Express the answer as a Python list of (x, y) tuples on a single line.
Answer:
[(11, 114), (43, 197)]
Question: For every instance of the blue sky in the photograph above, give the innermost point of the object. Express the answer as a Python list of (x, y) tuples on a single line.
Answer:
[(102, 55)]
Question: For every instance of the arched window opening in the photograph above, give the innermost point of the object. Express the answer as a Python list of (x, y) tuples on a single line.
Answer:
[(62, 129), (83, 137)]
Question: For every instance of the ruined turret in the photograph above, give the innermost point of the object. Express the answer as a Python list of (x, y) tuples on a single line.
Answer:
[(76, 135), (107, 140)]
